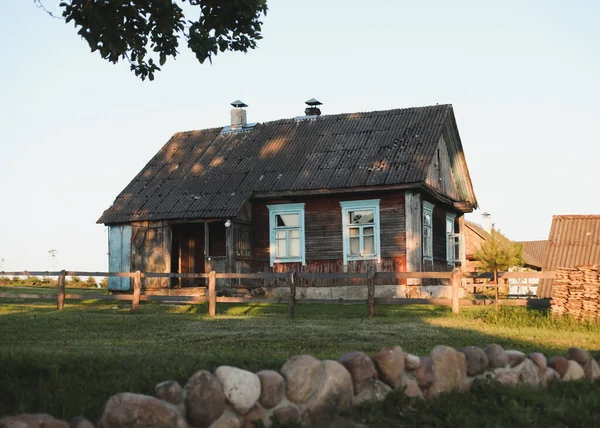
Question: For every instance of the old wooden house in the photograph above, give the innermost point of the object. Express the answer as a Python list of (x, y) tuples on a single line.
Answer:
[(320, 193)]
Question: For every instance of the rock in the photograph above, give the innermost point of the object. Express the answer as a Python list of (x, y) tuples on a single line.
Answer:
[(227, 420), (170, 391), (361, 368), (450, 370), (411, 388), (515, 357), (80, 422), (550, 376), (375, 390), (257, 413), (241, 387), (497, 356), (27, 420), (424, 373), (411, 362), (508, 378), (127, 410), (287, 414), (301, 374), (477, 360), (272, 388), (204, 399), (579, 355), (390, 363), (592, 370), (333, 395), (540, 360), (574, 371), (528, 373), (560, 364)]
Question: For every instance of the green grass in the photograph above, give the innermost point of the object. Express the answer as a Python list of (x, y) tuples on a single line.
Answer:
[(68, 363)]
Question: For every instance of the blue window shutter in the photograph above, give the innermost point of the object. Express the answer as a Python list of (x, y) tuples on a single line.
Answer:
[(119, 256)]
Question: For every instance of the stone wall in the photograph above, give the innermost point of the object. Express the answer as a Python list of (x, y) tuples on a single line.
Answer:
[(314, 392)]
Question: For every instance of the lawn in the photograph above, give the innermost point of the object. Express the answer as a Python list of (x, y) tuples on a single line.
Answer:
[(68, 363)]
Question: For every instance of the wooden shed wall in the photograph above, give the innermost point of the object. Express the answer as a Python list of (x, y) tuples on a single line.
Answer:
[(324, 235), (151, 250)]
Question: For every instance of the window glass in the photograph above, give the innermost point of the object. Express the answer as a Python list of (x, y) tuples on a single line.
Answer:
[(427, 218), (295, 247), (288, 220), (287, 233), (361, 230), (361, 217), (355, 246), (369, 244)]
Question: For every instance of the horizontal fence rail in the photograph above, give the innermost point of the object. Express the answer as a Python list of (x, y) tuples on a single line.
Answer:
[(136, 293)]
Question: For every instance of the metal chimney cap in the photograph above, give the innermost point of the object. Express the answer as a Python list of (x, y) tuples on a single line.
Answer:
[(238, 103), (313, 102)]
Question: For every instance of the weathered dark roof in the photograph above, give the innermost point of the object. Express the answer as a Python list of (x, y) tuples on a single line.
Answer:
[(534, 252), (203, 174), (574, 240)]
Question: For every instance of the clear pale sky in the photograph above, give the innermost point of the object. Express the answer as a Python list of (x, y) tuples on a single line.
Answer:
[(523, 77)]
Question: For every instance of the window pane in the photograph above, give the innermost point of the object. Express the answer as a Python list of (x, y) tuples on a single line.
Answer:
[(287, 220), (281, 247), (280, 234), (369, 244), (449, 226), (426, 218), (362, 217), (355, 246), (354, 231), (294, 233), (369, 231), (427, 242), (295, 247)]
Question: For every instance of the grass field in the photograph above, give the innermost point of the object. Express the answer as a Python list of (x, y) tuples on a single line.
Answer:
[(68, 363)]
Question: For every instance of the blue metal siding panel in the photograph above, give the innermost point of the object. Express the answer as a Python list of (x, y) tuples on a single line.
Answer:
[(119, 256)]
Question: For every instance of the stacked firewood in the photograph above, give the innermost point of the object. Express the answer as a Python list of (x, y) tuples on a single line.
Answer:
[(576, 292)]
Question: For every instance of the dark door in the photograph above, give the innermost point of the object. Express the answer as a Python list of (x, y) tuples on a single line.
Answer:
[(187, 255)]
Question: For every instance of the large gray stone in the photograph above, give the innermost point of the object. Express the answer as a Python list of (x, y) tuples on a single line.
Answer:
[(302, 374), (528, 373), (80, 422), (550, 376), (241, 387), (515, 357), (540, 360), (361, 368), (375, 390), (170, 391), (592, 370), (424, 373), (450, 370), (26, 420), (496, 356), (411, 362), (560, 364), (574, 371), (227, 420), (272, 388), (333, 395), (204, 399), (507, 378), (411, 388), (579, 355), (477, 360), (390, 363), (287, 414), (127, 410)]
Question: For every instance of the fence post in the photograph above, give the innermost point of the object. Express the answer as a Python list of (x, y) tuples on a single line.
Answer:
[(61, 290), (455, 281), (137, 289), (371, 291), (212, 293), (292, 302)]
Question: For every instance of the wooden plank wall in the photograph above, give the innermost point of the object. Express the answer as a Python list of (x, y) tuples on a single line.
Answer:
[(440, 175), (151, 251), (414, 234), (324, 235)]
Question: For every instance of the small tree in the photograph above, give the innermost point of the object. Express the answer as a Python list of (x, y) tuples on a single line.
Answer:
[(104, 283), (91, 282), (499, 254)]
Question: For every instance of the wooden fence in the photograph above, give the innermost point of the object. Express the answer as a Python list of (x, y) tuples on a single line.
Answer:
[(291, 278)]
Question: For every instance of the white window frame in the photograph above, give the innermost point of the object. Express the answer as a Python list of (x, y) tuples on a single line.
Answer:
[(452, 239), (427, 208), (348, 206), (274, 210)]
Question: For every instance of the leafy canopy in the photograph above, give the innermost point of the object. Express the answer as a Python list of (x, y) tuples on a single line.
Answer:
[(144, 31), (499, 253)]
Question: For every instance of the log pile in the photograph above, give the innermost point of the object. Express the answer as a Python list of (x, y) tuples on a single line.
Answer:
[(576, 292)]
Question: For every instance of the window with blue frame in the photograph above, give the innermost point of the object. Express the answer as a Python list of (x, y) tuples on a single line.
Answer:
[(360, 222), (286, 225), (427, 230)]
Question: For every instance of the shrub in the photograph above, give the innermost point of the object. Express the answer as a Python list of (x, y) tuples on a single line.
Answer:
[(91, 282), (104, 283)]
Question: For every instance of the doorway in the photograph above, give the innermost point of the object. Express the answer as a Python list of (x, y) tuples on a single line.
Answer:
[(187, 253)]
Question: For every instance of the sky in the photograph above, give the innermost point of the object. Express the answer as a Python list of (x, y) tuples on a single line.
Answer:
[(523, 78)]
